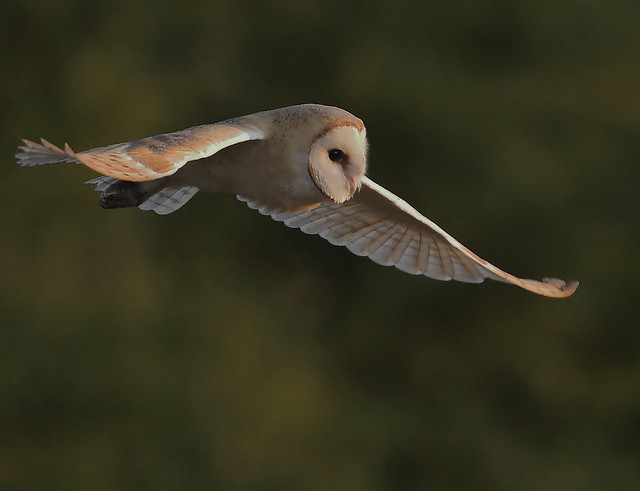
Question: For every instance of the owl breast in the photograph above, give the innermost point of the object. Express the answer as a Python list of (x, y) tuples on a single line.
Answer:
[(275, 177)]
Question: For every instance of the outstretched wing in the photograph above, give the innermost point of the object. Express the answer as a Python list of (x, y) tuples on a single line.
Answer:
[(147, 159), (378, 224)]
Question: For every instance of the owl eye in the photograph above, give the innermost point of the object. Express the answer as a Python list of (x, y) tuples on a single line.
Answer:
[(335, 155)]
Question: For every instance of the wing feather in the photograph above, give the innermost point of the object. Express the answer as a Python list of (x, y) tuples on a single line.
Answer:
[(146, 159), (400, 248), (424, 247), (378, 224)]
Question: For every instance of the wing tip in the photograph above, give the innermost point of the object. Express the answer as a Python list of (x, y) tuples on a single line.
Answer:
[(33, 153), (561, 288)]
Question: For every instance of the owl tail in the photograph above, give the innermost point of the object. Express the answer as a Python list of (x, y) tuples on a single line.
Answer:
[(158, 195)]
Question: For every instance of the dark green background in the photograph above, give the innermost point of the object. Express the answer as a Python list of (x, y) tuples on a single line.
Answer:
[(216, 349)]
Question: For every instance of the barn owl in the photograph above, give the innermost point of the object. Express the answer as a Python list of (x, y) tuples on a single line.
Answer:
[(303, 165)]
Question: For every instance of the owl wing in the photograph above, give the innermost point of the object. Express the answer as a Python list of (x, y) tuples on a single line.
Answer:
[(378, 224), (146, 159)]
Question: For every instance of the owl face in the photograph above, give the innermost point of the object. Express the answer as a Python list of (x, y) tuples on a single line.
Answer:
[(338, 160)]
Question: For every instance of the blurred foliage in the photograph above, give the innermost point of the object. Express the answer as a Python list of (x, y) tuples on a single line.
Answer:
[(216, 349)]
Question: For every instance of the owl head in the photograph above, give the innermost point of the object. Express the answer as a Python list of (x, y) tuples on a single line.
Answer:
[(338, 159)]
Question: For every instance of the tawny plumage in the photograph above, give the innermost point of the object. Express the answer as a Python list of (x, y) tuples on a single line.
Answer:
[(302, 165)]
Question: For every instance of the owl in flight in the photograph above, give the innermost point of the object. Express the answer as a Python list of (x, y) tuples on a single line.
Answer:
[(303, 165)]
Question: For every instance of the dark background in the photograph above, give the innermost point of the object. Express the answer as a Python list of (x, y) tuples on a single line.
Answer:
[(216, 349)]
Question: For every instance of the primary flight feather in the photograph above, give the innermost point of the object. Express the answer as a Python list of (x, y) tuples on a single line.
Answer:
[(303, 165)]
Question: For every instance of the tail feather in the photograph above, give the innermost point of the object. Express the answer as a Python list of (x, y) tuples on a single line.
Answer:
[(156, 195), (103, 182), (168, 200)]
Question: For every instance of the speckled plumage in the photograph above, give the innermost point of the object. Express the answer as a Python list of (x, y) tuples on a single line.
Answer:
[(302, 165)]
